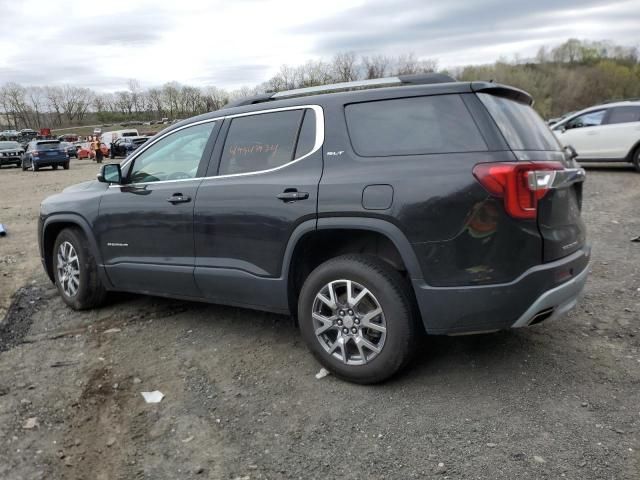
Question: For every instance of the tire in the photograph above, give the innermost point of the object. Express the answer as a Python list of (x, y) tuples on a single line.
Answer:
[(89, 292), (66, 165), (54, 166), (636, 160), (388, 290), (34, 167)]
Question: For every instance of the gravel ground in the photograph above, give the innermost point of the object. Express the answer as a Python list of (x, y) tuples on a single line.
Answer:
[(558, 400)]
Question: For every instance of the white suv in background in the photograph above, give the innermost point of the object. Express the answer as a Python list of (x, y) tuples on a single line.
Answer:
[(608, 132)]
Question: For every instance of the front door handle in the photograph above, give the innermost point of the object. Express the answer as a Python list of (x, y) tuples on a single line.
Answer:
[(292, 195), (178, 198)]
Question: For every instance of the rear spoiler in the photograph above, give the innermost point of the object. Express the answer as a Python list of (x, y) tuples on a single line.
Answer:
[(511, 93)]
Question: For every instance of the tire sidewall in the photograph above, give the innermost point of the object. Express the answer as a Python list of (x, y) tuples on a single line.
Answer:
[(636, 160), (72, 237), (397, 312)]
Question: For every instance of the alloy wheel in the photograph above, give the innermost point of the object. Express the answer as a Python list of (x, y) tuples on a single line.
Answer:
[(68, 267), (349, 322)]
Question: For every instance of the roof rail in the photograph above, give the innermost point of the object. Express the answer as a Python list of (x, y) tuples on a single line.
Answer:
[(620, 100), (417, 79)]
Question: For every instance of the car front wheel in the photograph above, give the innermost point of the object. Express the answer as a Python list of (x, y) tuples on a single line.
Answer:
[(76, 271), (356, 317)]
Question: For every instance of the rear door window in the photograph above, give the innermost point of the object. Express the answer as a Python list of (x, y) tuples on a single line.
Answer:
[(307, 136), (624, 115), (413, 126), (260, 142), (521, 126)]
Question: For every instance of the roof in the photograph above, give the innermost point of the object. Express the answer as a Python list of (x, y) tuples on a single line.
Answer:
[(353, 92)]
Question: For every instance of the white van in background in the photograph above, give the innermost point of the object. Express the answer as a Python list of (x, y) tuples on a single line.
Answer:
[(109, 137)]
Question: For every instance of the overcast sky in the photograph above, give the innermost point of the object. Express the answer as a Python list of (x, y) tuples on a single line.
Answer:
[(232, 43)]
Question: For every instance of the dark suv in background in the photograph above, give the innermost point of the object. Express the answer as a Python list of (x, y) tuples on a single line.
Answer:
[(123, 146), (372, 215)]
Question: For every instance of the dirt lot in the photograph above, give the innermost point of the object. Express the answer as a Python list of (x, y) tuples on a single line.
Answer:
[(559, 400)]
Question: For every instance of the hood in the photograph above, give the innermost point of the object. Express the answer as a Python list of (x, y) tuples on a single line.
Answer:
[(81, 187)]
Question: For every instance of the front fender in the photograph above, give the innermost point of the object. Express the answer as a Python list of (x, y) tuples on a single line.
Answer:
[(52, 225)]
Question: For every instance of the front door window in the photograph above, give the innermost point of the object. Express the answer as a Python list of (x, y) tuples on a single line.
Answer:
[(175, 157)]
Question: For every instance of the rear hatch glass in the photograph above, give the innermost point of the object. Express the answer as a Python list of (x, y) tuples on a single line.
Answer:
[(559, 220), (522, 127), (49, 146)]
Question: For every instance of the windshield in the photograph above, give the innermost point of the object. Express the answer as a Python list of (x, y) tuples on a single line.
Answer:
[(48, 146), (4, 145), (522, 127)]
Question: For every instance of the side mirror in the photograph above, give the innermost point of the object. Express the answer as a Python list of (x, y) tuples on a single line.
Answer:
[(110, 173)]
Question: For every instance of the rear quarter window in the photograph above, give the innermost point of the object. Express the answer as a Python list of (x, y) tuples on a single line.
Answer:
[(521, 126), (413, 126)]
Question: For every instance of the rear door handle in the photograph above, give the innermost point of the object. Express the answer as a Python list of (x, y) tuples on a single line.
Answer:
[(292, 195), (178, 198)]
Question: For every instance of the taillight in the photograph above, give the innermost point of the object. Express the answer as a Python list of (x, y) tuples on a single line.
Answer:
[(520, 184)]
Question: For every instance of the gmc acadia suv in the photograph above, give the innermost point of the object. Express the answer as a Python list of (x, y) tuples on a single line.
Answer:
[(371, 214)]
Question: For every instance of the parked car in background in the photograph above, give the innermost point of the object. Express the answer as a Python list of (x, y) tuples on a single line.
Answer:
[(45, 153), (553, 121), (372, 215), (84, 150), (603, 133), (110, 137), (123, 146), (71, 149), (11, 153)]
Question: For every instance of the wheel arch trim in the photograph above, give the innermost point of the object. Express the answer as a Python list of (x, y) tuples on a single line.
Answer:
[(83, 224), (386, 228)]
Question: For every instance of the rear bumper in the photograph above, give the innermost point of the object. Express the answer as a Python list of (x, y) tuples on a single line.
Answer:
[(543, 292), (47, 162)]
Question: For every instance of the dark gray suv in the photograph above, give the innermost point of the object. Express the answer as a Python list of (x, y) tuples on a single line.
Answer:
[(371, 214)]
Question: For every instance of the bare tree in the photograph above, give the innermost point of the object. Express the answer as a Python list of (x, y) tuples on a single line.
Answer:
[(215, 98), (409, 65), (313, 73), (135, 91), (155, 98), (170, 94), (345, 67), (124, 102), (376, 66), (37, 101)]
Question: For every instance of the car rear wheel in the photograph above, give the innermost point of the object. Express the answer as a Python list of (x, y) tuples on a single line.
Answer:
[(636, 160), (76, 271), (356, 317), (55, 167), (66, 166)]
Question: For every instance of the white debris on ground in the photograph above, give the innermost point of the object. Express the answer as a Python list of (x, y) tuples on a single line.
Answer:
[(153, 397)]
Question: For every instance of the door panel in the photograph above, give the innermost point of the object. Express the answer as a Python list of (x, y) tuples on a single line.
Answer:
[(584, 133), (147, 242), (242, 222), (145, 227)]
